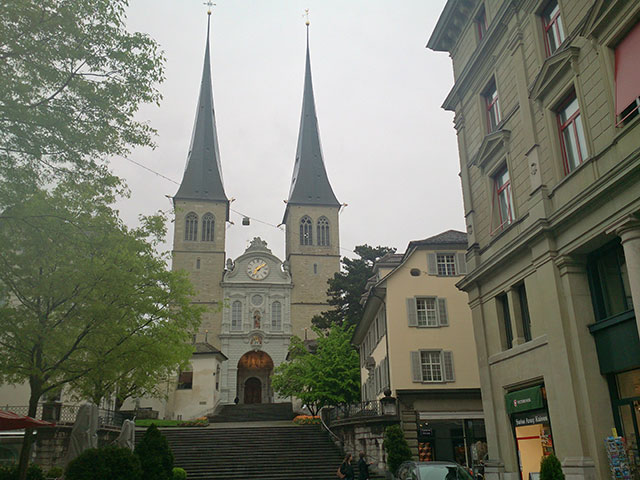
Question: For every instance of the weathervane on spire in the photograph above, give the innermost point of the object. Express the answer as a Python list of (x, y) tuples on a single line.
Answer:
[(209, 4), (306, 14)]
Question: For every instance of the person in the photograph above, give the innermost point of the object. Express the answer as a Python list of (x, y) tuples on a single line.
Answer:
[(363, 467), (345, 470)]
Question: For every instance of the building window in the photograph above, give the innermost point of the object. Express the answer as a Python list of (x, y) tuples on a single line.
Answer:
[(553, 29), (207, 227), (524, 312), (432, 366), (191, 227), (446, 264), (492, 106), (276, 316), (323, 232), (218, 377), (197, 264), (503, 305), (306, 231), (236, 315), (502, 199), (185, 381), (609, 281), (627, 77), (574, 149), (481, 23), (426, 310), (431, 363)]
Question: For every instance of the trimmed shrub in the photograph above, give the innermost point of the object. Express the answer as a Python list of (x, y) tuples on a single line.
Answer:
[(307, 420), (179, 474), (155, 455), (109, 463), (396, 447), (550, 468), (55, 472), (10, 472)]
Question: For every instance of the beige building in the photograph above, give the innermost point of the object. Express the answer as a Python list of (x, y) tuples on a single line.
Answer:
[(546, 113), (415, 339)]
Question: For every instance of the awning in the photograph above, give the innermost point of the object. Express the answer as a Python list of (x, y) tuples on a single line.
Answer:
[(525, 399), (13, 421)]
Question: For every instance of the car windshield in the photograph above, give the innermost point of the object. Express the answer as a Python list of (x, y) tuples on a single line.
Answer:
[(443, 472)]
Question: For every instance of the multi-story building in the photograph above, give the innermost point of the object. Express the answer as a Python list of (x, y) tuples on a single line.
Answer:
[(546, 99), (416, 342)]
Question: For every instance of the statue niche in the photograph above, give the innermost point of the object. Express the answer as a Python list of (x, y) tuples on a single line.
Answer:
[(256, 320)]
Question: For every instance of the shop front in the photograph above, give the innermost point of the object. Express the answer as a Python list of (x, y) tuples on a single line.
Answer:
[(625, 398), (529, 416)]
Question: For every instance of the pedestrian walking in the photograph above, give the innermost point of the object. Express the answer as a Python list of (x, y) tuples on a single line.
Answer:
[(363, 467), (345, 470)]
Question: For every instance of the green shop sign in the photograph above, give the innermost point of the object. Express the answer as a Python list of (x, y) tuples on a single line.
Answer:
[(523, 400)]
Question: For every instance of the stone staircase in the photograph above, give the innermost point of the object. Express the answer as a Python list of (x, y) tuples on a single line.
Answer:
[(256, 412), (254, 451)]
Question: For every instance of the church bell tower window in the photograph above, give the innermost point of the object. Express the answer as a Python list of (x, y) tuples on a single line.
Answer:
[(207, 227), (306, 231), (191, 227), (323, 232)]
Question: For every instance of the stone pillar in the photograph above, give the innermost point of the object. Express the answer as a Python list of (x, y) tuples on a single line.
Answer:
[(629, 232)]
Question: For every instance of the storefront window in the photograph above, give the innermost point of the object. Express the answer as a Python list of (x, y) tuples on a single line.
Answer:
[(628, 405)]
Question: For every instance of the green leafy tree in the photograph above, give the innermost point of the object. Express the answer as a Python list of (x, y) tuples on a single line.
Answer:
[(396, 447), (550, 468), (71, 81), (108, 463), (347, 287), (330, 376), (78, 281), (155, 455)]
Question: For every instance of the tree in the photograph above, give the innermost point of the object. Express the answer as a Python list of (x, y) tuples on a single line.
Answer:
[(396, 447), (330, 376), (155, 455), (550, 468), (347, 287), (78, 282), (71, 80)]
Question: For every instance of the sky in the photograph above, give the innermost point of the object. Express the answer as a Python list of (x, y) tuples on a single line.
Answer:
[(389, 149)]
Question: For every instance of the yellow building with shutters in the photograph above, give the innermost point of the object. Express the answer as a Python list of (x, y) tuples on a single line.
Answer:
[(416, 340)]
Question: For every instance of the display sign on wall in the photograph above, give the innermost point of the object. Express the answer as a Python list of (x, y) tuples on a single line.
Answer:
[(524, 400)]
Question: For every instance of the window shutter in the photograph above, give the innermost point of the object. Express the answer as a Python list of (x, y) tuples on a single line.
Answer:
[(432, 268), (443, 315), (412, 314), (449, 376), (461, 264), (416, 367)]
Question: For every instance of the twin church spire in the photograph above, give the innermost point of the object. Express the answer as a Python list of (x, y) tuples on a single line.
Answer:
[(202, 178)]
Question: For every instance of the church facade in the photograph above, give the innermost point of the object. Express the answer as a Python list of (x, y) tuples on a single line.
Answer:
[(256, 302)]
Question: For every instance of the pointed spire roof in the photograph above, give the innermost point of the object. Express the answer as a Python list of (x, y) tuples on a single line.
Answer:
[(202, 178), (310, 184)]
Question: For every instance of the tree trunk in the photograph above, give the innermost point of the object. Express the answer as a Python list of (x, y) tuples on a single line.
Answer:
[(27, 442)]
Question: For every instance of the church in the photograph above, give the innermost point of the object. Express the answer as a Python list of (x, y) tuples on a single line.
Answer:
[(256, 302)]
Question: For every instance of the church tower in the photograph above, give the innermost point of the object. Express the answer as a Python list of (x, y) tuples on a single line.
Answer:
[(201, 210), (311, 219)]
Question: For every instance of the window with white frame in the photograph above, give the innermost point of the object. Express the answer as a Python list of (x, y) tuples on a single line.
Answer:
[(236, 315), (432, 366), (502, 199), (276, 316), (426, 310), (431, 363), (446, 263), (574, 145)]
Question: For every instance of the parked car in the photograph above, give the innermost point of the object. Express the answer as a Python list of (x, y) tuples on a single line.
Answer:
[(432, 471)]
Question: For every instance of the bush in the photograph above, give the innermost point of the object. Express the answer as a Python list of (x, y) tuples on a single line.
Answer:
[(179, 474), (10, 472), (396, 447), (54, 472), (550, 468), (109, 463), (155, 455)]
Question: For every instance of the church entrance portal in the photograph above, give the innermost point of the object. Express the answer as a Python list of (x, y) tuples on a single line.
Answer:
[(254, 378), (253, 390)]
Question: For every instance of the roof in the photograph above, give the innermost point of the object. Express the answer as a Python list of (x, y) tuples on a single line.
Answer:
[(389, 260), (452, 20), (309, 183), (450, 237), (202, 178), (205, 348)]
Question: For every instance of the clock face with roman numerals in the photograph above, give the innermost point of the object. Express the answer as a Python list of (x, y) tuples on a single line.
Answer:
[(258, 269)]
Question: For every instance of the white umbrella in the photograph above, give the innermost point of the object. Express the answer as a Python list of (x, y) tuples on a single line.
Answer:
[(127, 435), (84, 434)]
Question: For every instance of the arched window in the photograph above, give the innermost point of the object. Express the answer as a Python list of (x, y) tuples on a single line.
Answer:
[(207, 227), (191, 227), (276, 316), (236, 315), (323, 232), (306, 231)]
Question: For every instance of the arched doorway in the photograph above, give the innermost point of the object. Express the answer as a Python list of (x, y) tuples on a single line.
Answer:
[(254, 378), (253, 390)]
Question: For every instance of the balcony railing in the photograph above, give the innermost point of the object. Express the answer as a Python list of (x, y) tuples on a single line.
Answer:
[(66, 414), (355, 410)]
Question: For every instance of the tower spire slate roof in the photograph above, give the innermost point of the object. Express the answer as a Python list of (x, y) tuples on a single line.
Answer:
[(310, 184), (202, 178)]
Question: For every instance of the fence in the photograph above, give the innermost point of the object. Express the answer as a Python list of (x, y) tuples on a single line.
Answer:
[(371, 408), (66, 414)]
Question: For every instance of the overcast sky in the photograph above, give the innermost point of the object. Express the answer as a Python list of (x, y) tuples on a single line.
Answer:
[(389, 149)]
